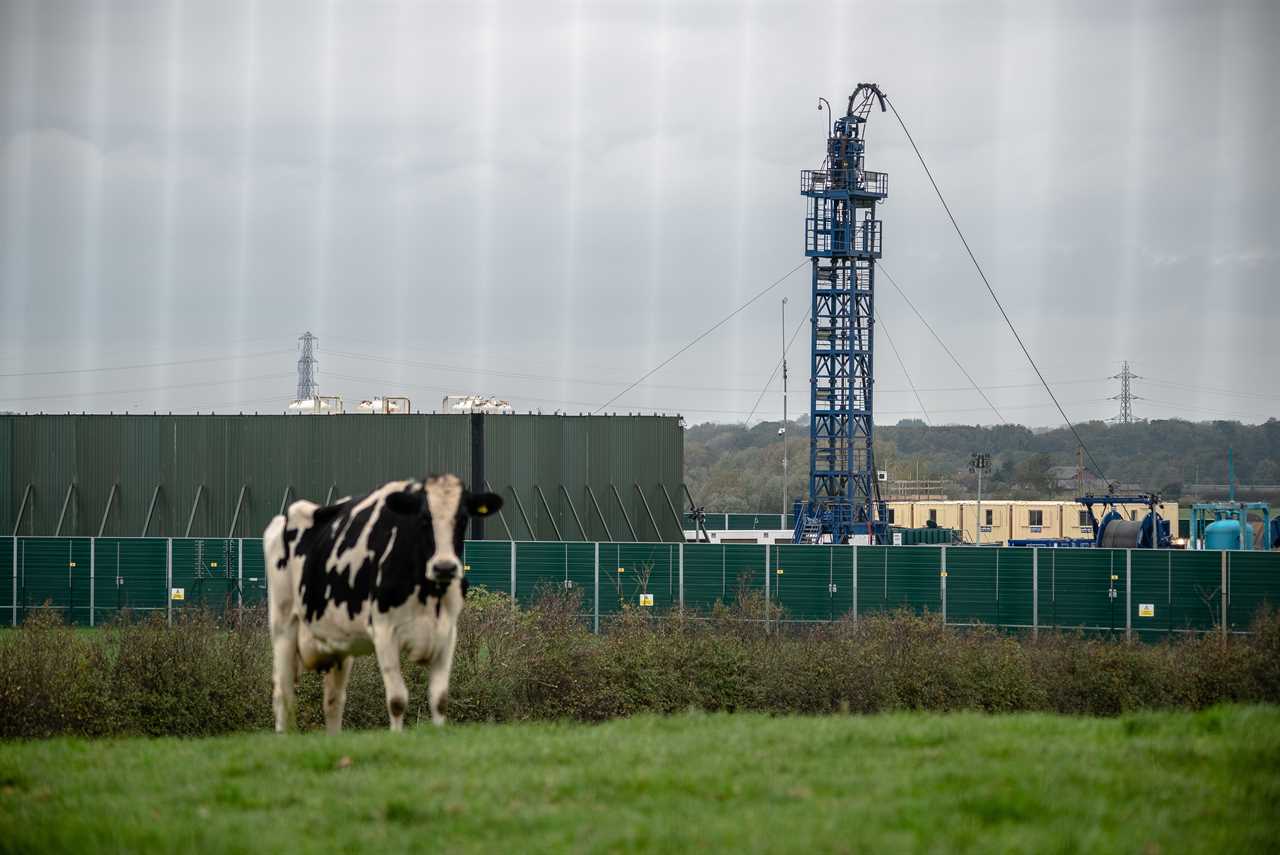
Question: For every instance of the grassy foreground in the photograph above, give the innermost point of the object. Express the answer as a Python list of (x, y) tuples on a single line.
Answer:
[(1150, 782)]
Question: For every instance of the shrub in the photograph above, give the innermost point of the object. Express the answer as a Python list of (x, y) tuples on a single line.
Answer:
[(202, 676)]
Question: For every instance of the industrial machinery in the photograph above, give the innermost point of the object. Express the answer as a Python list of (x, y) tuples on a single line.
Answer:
[(1226, 525), (1112, 530), (842, 239)]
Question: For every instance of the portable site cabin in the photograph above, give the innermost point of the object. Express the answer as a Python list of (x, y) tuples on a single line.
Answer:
[(1035, 520), (993, 522), (939, 514), (901, 514)]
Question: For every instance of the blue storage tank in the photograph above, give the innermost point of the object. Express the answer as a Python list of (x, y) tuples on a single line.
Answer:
[(1223, 534)]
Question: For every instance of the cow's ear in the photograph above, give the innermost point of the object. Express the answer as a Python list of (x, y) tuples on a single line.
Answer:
[(406, 503), (483, 504)]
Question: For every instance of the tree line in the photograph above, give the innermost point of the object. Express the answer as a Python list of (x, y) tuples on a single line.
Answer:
[(736, 468)]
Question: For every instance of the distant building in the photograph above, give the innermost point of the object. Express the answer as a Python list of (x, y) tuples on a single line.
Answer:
[(465, 404)]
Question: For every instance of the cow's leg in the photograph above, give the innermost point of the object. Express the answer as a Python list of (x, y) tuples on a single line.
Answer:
[(438, 686), (335, 693), (387, 649), (284, 649)]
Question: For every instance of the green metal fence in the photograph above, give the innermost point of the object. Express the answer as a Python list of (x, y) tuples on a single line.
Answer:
[(1139, 593)]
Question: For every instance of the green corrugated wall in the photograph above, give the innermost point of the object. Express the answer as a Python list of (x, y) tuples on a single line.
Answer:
[(635, 454), (326, 456), (986, 585)]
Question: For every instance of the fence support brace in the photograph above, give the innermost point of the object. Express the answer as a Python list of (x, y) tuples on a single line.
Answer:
[(502, 518), (235, 517), (533, 535), (22, 509), (625, 517), (151, 509), (106, 512), (657, 532), (192, 518), (595, 504), (574, 511), (671, 507), (65, 502), (550, 516)]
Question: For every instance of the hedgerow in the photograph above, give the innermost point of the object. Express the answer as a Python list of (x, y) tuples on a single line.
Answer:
[(205, 675)]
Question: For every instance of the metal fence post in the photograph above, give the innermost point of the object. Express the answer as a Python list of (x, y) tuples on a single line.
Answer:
[(93, 557), (1035, 592), (168, 579), (1128, 585), (513, 574), (240, 574), (855, 583), (595, 588), (681, 575), (766, 587), (15, 581), (944, 586), (1223, 598)]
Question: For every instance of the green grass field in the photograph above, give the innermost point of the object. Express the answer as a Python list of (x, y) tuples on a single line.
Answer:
[(1157, 782)]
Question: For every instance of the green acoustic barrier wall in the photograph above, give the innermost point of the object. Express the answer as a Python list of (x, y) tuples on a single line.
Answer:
[(219, 476), (1138, 593), (8, 580), (1252, 580), (129, 573)]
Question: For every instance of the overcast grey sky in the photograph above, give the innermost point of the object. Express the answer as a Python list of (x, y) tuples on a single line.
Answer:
[(542, 200)]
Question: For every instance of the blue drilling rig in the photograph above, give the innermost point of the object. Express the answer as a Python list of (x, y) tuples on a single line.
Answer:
[(842, 239)]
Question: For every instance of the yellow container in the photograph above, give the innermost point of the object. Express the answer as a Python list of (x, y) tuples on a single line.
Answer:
[(1034, 520), (900, 514), (941, 514), (994, 521)]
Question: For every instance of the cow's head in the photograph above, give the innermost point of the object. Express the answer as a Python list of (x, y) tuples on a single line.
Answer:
[(445, 507)]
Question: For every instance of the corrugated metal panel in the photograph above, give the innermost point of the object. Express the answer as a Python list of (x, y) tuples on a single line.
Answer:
[(605, 453), (215, 457), (10, 494)]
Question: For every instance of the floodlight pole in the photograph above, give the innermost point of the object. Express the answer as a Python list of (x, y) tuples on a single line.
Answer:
[(784, 412), (978, 462)]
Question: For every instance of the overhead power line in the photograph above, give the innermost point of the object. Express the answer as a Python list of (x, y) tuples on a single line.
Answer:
[(777, 366), (563, 402), (972, 383), (991, 290), (140, 365), (885, 329), (584, 381), (664, 363), (105, 392), (1212, 390)]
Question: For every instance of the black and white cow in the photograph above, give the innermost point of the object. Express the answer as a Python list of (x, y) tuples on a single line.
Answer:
[(381, 574)]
